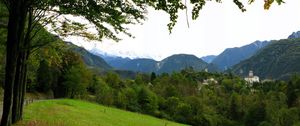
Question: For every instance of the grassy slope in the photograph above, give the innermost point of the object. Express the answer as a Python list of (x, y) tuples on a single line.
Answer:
[(78, 113)]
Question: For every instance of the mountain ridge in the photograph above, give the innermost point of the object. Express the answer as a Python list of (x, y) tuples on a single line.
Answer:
[(232, 56), (208, 58), (172, 63), (278, 60), (91, 60)]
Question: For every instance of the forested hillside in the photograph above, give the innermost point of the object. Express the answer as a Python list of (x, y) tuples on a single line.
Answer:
[(279, 60), (179, 62), (90, 59)]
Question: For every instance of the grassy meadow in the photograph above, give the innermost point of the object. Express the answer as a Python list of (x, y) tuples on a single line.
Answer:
[(66, 112)]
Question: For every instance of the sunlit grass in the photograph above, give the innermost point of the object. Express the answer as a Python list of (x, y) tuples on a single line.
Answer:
[(68, 112)]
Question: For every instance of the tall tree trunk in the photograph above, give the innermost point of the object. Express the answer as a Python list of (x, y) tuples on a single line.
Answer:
[(19, 70), (19, 86), (11, 63), (15, 34), (19, 91), (23, 86), (27, 44), (16, 91)]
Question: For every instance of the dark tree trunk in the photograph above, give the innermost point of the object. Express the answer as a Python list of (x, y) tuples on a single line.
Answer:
[(20, 83), (23, 86), (15, 38), (16, 116), (27, 44), (11, 63), (16, 91), (20, 87)]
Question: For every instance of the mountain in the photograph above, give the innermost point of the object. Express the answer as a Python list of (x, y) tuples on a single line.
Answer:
[(115, 61), (173, 63), (140, 65), (208, 58), (294, 35), (90, 59), (278, 60), (180, 61), (232, 56)]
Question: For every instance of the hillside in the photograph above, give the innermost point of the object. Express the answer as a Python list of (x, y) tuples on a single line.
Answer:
[(279, 60), (116, 62), (90, 59), (179, 62), (232, 56), (79, 113), (140, 65)]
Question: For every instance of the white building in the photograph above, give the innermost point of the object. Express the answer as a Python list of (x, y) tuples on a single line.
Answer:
[(251, 78), (209, 81), (206, 82), (206, 70)]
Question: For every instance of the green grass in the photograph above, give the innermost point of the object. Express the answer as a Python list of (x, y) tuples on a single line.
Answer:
[(66, 112)]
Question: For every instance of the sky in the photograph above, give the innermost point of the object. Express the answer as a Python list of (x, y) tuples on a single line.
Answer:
[(219, 26)]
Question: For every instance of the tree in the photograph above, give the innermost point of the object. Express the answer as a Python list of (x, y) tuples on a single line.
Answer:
[(183, 112), (235, 113), (288, 117), (171, 104), (44, 77), (153, 77), (74, 77), (255, 115), (148, 100), (94, 85), (25, 15), (113, 80), (76, 81), (293, 90), (104, 94)]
